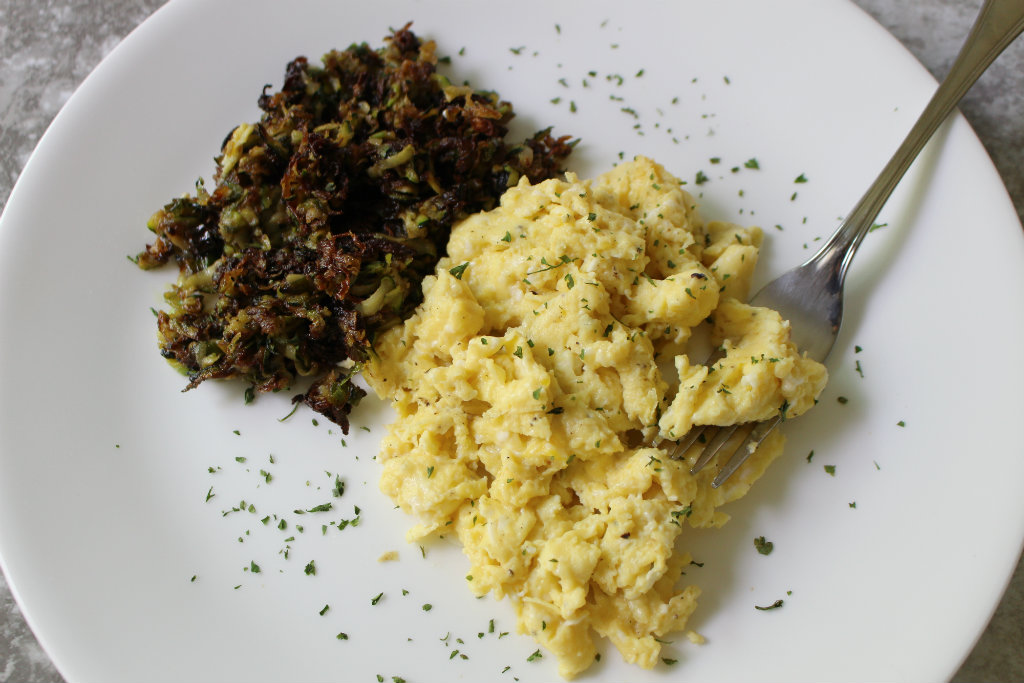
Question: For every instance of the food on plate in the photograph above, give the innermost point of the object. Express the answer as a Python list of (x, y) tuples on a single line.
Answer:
[(529, 398), (326, 214)]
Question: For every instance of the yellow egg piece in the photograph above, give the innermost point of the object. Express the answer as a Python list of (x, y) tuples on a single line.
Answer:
[(532, 409)]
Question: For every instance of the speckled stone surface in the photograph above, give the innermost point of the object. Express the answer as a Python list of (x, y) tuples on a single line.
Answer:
[(47, 47)]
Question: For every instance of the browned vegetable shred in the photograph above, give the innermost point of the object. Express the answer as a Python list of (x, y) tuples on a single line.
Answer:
[(326, 215)]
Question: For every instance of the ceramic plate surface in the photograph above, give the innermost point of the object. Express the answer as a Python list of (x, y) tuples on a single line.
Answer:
[(889, 568)]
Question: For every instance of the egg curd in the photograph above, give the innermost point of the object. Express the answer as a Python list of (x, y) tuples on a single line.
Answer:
[(529, 397)]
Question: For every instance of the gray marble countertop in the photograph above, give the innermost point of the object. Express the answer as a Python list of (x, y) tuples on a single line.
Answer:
[(47, 47)]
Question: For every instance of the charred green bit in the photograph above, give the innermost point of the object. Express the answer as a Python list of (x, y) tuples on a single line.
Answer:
[(326, 215)]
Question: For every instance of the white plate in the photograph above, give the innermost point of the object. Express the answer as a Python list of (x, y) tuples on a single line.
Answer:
[(104, 462)]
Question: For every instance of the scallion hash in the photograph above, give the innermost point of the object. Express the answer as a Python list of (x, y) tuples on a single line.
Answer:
[(327, 213)]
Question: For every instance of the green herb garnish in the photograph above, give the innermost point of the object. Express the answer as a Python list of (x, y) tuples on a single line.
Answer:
[(764, 547)]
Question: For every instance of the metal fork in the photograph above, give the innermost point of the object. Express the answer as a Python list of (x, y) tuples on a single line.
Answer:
[(810, 296)]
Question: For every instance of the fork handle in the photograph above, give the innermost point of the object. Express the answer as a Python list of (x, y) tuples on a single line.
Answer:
[(998, 23)]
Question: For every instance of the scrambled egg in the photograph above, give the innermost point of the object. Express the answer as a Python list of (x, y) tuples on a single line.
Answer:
[(529, 396)]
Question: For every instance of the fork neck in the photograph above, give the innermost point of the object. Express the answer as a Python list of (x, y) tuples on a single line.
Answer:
[(999, 22)]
